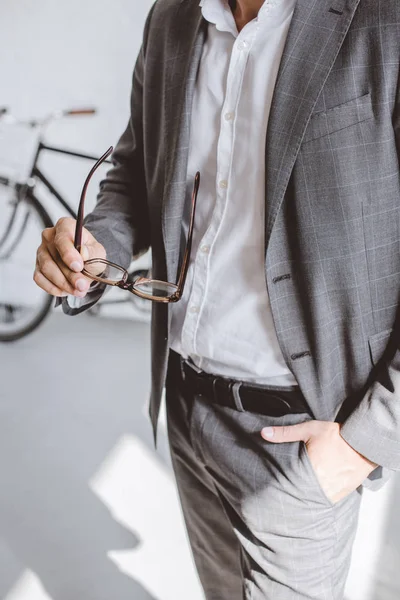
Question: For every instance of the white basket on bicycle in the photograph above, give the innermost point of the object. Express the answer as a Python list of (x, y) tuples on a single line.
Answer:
[(18, 146)]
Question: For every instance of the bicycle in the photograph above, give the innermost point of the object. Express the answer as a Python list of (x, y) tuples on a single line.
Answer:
[(24, 306)]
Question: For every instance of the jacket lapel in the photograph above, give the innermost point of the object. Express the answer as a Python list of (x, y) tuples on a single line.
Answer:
[(185, 42), (315, 36), (314, 39)]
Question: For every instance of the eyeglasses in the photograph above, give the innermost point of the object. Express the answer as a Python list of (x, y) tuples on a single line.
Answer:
[(104, 271)]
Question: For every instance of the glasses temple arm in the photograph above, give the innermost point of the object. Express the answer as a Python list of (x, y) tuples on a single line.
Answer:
[(185, 263), (79, 219)]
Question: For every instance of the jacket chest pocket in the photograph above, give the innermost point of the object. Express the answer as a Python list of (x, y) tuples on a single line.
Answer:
[(337, 118), (378, 343)]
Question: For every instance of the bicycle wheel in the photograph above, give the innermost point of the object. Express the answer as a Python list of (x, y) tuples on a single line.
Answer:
[(23, 305)]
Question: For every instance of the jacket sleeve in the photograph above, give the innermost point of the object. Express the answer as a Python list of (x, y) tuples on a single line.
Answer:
[(373, 428), (120, 220)]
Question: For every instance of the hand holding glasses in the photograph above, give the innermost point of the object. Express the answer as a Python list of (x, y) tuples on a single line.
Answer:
[(104, 271)]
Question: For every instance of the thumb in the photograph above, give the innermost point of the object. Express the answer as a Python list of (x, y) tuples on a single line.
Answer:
[(92, 250), (85, 252), (288, 433)]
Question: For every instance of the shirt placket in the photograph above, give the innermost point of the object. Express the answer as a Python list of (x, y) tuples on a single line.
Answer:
[(203, 261)]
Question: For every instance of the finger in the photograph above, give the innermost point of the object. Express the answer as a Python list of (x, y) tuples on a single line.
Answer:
[(78, 281), (71, 257), (52, 273), (92, 250), (64, 241), (68, 253), (47, 285), (64, 234), (289, 433)]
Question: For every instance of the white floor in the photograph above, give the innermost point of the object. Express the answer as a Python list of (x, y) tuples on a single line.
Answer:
[(88, 509)]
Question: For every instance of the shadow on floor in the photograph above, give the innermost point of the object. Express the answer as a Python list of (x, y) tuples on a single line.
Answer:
[(69, 392)]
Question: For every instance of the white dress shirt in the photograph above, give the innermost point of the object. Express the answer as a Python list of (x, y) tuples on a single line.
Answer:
[(224, 320)]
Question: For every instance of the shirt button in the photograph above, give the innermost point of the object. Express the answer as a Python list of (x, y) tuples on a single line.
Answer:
[(242, 45), (223, 184), (194, 309), (228, 116), (205, 249)]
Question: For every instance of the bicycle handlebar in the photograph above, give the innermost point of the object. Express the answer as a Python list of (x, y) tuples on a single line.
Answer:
[(79, 111), (42, 123)]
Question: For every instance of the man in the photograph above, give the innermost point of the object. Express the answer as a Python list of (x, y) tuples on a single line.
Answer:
[(283, 369)]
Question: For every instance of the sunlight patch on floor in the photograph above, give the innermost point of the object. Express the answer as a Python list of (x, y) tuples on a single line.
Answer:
[(28, 587), (140, 493), (369, 541)]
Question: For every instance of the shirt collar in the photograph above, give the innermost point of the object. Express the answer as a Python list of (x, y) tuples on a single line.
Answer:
[(218, 13)]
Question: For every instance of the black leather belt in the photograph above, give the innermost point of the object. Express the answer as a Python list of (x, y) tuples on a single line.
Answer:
[(265, 400)]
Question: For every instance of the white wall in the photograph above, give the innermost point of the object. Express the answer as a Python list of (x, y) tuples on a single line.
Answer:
[(63, 54), (70, 54)]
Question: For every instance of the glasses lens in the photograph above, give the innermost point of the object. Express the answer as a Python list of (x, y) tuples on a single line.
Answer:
[(104, 271), (152, 287)]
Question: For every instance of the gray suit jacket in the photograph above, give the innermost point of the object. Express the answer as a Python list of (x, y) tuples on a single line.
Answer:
[(332, 226)]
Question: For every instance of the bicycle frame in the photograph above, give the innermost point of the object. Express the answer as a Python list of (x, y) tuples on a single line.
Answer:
[(22, 190), (24, 205), (37, 173)]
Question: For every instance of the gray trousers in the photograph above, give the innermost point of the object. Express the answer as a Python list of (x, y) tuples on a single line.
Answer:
[(259, 524)]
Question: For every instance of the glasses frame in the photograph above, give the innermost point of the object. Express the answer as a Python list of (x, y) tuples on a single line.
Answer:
[(124, 284)]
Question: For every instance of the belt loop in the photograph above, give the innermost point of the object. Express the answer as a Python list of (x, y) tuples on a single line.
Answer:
[(214, 382), (236, 396), (183, 374)]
